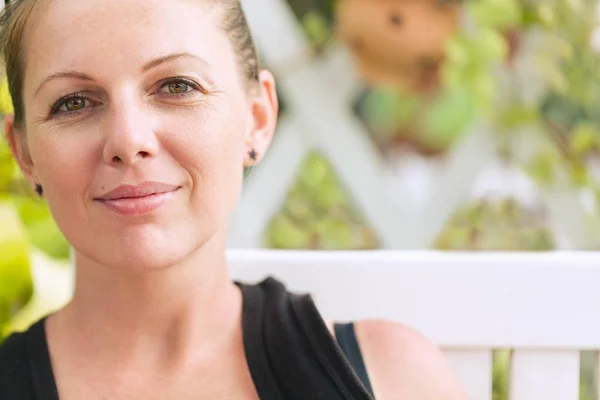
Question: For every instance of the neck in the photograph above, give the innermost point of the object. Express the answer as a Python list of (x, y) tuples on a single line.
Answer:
[(162, 314)]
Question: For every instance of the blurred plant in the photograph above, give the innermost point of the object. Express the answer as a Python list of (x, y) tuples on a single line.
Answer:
[(16, 286), (26, 224), (501, 362), (532, 70), (433, 123), (34, 213), (316, 17), (500, 374), (317, 214), (496, 225)]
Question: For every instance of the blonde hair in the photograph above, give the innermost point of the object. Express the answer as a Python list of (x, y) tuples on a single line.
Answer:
[(17, 14)]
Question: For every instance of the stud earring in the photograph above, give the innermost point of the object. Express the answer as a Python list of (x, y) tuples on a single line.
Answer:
[(252, 153), (39, 189)]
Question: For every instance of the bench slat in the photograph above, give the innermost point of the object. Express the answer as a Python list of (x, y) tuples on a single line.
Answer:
[(474, 370), (457, 300), (548, 375)]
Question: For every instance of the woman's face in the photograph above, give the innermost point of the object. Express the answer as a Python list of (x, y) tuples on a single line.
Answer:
[(138, 126)]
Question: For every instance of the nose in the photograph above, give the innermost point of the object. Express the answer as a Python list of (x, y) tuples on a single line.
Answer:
[(130, 134)]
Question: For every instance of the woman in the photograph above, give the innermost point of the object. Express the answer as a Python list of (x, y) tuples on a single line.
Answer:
[(134, 120)]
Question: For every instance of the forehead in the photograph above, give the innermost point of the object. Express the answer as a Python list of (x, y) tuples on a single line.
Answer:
[(119, 35)]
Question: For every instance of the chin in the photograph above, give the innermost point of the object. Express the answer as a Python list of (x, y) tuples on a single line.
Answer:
[(140, 262), (144, 251)]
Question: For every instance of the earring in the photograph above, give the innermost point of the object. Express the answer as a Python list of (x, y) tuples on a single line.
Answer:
[(39, 189), (252, 153)]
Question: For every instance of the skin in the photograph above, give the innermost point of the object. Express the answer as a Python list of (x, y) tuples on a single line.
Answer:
[(154, 307)]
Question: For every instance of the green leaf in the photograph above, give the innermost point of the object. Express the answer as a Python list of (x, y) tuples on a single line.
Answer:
[(458, 51), (518, 116), (316, 27), (554, 76), (16, 285), (579, 174), (543, 168), (6, 106), (330, 194), (8, 167), (584, 138), (448, 118), (314, 170), (385, 109), (334, 235), (546, 14), (283, 233), (499, 14), (490, 46)]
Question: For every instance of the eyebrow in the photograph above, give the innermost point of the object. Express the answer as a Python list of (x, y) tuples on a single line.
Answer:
[(64, 74), (171, 57), (147, 67)]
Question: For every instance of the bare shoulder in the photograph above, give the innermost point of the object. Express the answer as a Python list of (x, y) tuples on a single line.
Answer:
[(403, 364)]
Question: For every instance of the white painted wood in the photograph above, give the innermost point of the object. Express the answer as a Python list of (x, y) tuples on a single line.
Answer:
[(474, 370), (281, 38), (452, 185), (341, 138), (597, 375), (266, 188), (568, 215), (548, 375), (319, 95), (342, 74), (459, 300), (321, 92), (329, 123)]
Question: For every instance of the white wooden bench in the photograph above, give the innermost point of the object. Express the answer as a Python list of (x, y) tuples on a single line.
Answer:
[(544, 306)]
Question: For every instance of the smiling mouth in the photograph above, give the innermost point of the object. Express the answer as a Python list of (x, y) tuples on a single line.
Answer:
[(138, 200)]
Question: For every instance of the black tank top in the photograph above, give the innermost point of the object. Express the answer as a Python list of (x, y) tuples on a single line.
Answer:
[(291, 354)]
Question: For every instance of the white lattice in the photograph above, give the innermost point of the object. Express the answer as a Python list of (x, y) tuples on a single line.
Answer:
[(319, 94)]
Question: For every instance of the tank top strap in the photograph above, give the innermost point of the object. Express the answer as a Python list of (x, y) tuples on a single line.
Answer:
[(346, 337)]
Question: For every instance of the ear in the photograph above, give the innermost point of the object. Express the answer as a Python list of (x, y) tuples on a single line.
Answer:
[(17, 142), (265, 108)]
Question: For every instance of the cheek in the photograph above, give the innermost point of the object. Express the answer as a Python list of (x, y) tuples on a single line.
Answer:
[(210, 147), (65, 167), (64, 162)]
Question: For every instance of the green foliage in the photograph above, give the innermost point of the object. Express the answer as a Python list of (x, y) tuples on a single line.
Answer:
[(497, 14), (317, 214), (566, 62), (386, 110), (447, 118), (8, 171), (500, 374), (34, 213), (440, 122), (496, 225), (16, 286), (501, 362), (43, 232), (317, 28)]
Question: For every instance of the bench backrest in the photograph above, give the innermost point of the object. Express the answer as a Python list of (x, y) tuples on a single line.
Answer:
[(545, 307)]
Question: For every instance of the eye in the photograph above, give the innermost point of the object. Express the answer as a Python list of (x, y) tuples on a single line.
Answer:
[(72, 105), (178, 86)]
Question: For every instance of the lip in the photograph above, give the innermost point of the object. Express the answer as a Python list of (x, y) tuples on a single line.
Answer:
[(138, 199)]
